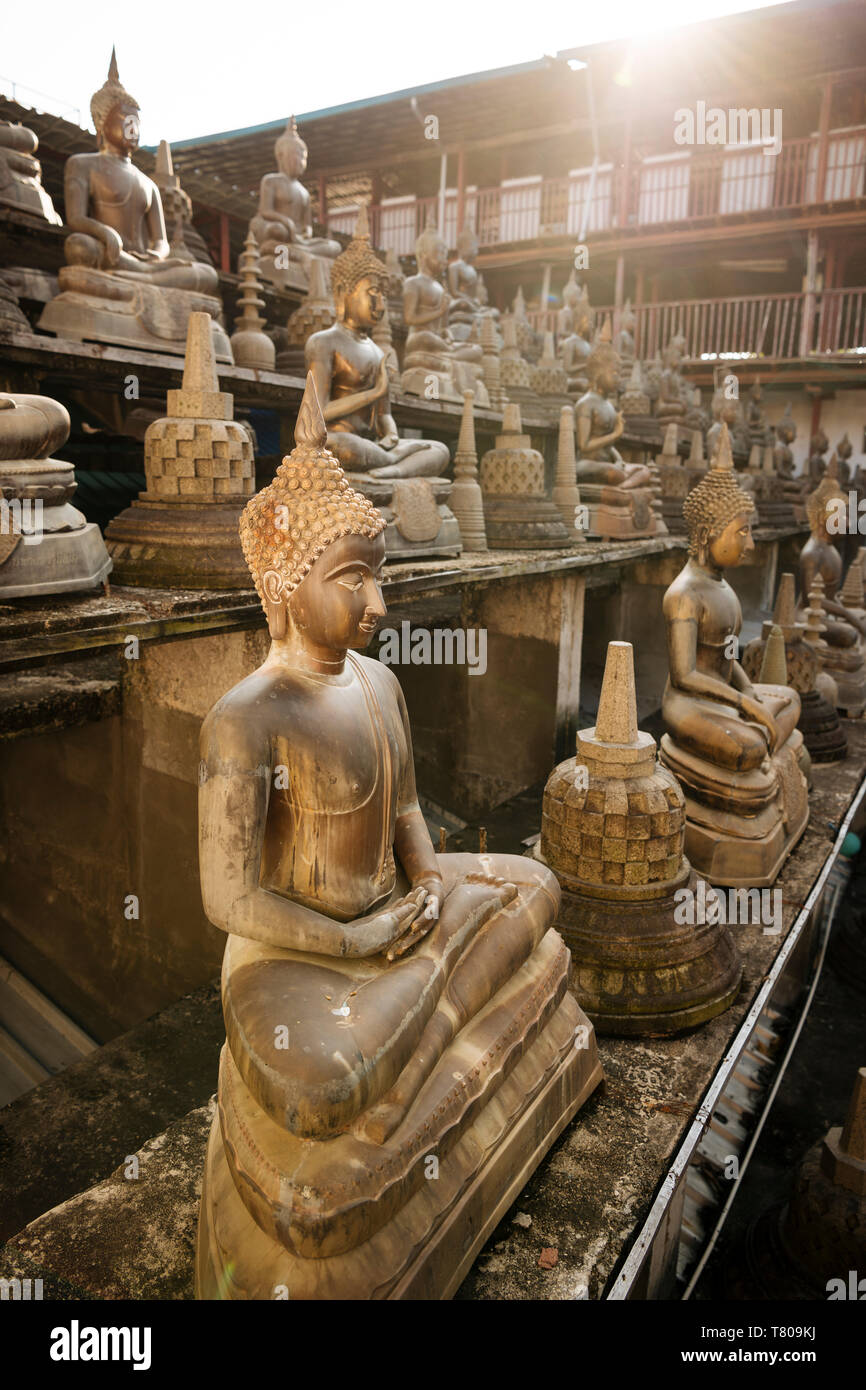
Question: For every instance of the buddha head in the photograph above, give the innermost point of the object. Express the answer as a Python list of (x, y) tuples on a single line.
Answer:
[(467, 244), (675, 351), (291, 152), (115, 114), (627, 320), (431, 253), (844, 449), (718, 513), (571, 292), (604, 363), (315, 547), (827, 500), (819, 443), (359, 281)]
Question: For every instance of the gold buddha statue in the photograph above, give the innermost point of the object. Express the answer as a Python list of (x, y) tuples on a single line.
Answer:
[(435, 365), (617, 494), (283, 226), (121, 284), (734, 747), (403, 476), (401, 1050), (21, 174)]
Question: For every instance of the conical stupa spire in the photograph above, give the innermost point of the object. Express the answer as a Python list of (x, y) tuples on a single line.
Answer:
[(362, 226), (852, 1141), (310, 429), (199, 365), (774, 668), (669, 448), (566, 495), (786, 603), (617, 708), (113, 74), (164, 167), (769, 459), (696, 456), (465, 499), (511, 421), (755, 461)]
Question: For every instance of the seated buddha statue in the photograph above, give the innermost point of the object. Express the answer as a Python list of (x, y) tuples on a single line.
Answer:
[(625, 344), (566, 315), (818, 446), (283, 225), (574, 349), (845, 630), (383, 1003), (733, 746), (350, 371), (21, 174), (468, 301), (670, 405), (616, 493), (435, 365), (120, 283)]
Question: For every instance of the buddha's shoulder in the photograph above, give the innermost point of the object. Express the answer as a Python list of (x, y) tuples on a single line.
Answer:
[(686, 596), (379, 675), (251, 709), (81, 163)]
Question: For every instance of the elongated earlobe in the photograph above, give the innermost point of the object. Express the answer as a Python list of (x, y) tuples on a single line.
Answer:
[(275, 603)]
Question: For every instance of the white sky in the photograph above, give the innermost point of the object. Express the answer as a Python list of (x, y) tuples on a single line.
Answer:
[(205, 67)]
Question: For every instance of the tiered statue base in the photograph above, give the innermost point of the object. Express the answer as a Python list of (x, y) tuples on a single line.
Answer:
[(432, 385), (348, 1218), (63, 562), (419, 520), (635, 970), (178, 545), (114, 308), (618, 514), (741, 826), (524, 523)]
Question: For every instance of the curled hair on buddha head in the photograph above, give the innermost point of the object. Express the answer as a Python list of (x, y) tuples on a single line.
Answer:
[(109, 95), (718, 497), (603, 353), (309, 504), (357, 261)]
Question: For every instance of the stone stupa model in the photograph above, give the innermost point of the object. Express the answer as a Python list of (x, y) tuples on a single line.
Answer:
[(46, 545), (613, 830), (182, 531)]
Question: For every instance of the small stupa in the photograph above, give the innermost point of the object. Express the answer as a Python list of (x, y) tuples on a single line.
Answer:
[(566, 494), (47, 546), (514, 370), (182, 531), (634, 399), (250, 344), (819, 724), (548, 379), (491, 365), (466, 501), (518, 513), (612, 830), (674, 482)]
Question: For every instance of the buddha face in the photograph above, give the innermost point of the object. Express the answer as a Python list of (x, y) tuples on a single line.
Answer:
[(606, 377), (728, 548), (121, 130), (364, 305), (292, 157), (340, 602), (431, 253)]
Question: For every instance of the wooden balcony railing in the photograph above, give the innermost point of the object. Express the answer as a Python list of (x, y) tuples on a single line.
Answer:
[(780, 326), (689, 186)]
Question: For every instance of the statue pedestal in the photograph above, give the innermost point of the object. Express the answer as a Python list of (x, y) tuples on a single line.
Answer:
[(46, 545), (741, 826), (106, 308), (430, 385), (344, 1218), (176, 545), (618, 513), (420, 522)]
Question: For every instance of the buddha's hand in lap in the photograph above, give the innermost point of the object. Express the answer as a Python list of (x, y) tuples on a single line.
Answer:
[(113, 244), (753, 709), (496, 893)]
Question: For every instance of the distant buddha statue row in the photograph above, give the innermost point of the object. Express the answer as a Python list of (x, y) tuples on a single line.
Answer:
[(121, 284), (468, 292)]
